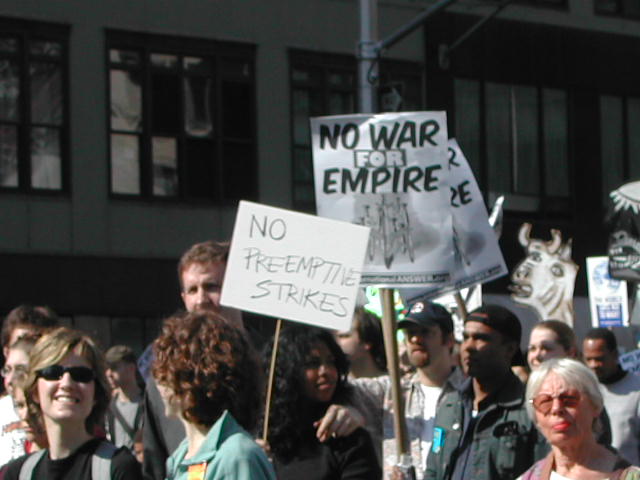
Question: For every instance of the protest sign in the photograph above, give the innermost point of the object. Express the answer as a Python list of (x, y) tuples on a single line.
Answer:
[(388, 172), (607, 296), (477, 256), (630, 361), (294, 266)]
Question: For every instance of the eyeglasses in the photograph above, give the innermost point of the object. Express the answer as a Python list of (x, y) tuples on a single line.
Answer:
[(543, 402), (55, 372)]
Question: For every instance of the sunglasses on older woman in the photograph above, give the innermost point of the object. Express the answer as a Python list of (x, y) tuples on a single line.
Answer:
[(55, 372), (543, 402)]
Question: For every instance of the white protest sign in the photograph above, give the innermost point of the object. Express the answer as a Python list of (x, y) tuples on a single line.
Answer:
[(607, 296), (630, 361), (387, 172), (294, 266), (478, 257)]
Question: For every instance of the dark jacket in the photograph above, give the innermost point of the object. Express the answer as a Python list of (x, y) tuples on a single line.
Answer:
[(501, 442)]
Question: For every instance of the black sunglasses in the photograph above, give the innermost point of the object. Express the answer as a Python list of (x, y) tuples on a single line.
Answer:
[(55, 372)]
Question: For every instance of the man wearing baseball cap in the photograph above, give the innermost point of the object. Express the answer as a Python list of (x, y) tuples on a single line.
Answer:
[(428, 336), (482, 430)]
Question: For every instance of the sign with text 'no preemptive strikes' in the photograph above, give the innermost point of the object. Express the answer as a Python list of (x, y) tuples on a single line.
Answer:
[(387, 172), (294, 266)]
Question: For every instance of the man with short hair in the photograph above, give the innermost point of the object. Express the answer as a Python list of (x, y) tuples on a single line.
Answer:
[(620, 391), (482, 430), (428, 334), (124, 417), (200, 274), (364, 346)]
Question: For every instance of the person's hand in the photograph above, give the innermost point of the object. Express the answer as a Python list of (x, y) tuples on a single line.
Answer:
[(265, 446), (398, 473), (338, 421)]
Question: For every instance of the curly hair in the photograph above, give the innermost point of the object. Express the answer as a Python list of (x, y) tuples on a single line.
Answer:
[(292, 412), (210, 366), (50, 349), (203, 253)]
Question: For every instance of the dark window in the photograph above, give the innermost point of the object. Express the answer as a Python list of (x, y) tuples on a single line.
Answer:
[(326, 84), (33, 106), (522, 131), (182, 118), (620, 141), (545, 3), (624, 8)]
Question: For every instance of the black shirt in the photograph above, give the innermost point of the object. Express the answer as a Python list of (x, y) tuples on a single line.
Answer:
[(77, 466), (351, 457)]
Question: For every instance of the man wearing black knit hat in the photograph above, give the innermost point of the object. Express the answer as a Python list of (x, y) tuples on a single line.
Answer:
[(482, 431)]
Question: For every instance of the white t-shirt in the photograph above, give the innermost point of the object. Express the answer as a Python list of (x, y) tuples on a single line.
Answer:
[(11, 436), (431, 395)]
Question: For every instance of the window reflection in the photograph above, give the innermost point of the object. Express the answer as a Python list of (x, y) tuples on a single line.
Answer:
[(165, 166), (46, 93), (8, 157), (46, 166), (125, 166), (126, 101)]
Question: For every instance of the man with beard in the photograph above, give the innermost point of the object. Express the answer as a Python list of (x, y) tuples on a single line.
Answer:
[(428, 335), (482, 430)]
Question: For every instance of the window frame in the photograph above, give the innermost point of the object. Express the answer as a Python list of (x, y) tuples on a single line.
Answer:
[(327, 62), (26, 31), (619, 13), (216, 51), (544, 200)]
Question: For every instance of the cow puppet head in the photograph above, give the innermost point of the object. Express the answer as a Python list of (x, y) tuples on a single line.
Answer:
[(545, 279)]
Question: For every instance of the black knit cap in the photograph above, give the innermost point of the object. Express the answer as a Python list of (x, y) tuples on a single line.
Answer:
[(425, 314), (499, 318)]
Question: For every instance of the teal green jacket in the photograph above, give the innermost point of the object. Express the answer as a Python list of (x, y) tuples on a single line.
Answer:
[(501, 443), (229, 453)]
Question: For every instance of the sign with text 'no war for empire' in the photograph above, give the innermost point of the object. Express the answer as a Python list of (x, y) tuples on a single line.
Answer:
[(294, 266), (387, 172)]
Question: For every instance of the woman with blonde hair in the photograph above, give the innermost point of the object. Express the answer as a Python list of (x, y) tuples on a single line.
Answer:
[(67, 388)]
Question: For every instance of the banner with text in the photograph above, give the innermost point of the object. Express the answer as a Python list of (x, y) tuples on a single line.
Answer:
[(294, 266), (607, 296), (388, 172), (478, 258)]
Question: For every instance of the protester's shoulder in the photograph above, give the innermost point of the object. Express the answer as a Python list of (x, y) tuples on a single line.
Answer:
[(630, 473), (633, 380), (11, 470), (124, 466), (239, 454), (377, 386)]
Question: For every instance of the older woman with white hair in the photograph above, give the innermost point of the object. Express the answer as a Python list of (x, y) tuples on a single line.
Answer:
[(564, 401)]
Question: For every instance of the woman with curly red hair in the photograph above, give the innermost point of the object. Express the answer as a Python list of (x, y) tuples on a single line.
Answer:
[(207, 375)]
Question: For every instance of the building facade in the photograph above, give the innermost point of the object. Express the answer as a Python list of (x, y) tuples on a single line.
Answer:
[(130, 130)]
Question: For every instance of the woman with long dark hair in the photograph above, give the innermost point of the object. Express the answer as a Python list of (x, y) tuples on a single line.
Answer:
[(310, 375)]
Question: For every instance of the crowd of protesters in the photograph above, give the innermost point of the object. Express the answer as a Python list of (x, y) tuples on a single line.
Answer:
[(72, 411)]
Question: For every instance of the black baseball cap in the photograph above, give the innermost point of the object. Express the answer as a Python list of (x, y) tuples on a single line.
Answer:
[(499, 318), (426, 314)]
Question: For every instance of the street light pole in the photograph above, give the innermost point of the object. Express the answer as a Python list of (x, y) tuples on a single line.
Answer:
[(368, 57)]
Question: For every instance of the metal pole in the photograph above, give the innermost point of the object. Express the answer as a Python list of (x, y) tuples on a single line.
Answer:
[(368, 57)]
